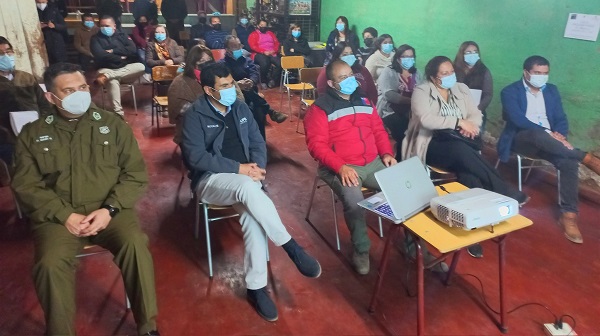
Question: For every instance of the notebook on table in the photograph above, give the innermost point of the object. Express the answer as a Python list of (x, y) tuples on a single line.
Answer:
[(406, 190)]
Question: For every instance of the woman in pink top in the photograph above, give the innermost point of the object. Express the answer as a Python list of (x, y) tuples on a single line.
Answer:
[(265, 46)]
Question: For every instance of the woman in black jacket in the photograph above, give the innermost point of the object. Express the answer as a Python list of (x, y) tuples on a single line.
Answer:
[(342, 33), (297, 45)]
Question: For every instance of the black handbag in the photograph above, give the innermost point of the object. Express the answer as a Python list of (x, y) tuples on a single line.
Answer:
[(454, 135)]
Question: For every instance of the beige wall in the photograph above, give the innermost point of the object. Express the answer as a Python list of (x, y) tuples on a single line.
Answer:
[(19, 23)]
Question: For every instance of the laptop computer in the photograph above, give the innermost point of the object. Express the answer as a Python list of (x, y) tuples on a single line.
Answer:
[(406, 190)]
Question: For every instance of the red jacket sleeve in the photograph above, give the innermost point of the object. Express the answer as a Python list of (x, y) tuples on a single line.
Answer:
[(253, 42), (382, 139), (316, 128)]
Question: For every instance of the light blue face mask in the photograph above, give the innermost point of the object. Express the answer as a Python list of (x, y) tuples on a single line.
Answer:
[(7, 63), (471, 59), (296, 33), (228, 96), (448, 82), (160, 36), (237, 53), (108, 31), (387, 47), (340, 26), (244, 21), (538, 81), (407, 62), (348, 85), (89, 24), (349, 59)]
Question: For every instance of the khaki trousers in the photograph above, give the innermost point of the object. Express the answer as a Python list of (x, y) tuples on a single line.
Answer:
[(125, 75)]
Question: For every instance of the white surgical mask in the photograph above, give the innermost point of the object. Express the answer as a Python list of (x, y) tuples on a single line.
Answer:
[(76, 103), (41, 6), (538, 80)]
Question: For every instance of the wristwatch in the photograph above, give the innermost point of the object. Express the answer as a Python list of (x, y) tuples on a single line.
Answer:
[(112, 211)]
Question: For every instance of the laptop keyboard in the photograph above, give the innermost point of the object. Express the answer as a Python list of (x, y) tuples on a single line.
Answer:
[(385, 209)]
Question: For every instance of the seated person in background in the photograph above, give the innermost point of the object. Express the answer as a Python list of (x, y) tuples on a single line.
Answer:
[(215, 36), (341, 33), (226, 164), (53, 27), (344, 52), (242, 30), (198, 30), (162, 50), (186, 88), (369, 36), (537, 126), (82, 37), (471, 71), (345, 135), (395, 86), (246, 73), (76, 192), (19, 91), (117, 60), (381, 57), (141, 33), (297, 45), (266, 46)]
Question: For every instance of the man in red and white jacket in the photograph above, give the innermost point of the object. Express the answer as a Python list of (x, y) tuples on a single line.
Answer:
[(346, 135)]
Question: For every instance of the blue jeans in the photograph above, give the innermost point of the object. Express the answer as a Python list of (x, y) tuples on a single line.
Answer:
[(142, 55)]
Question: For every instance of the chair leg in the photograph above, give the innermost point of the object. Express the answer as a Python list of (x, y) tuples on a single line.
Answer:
[(208, 250), (127, 302), (558, 184), (267, 247), (196, 199), (380, 227), (290, 105), (312, 197), (335, 222), (519, 166), (497, 163), (17, 206), (529, 170), (134, 100)]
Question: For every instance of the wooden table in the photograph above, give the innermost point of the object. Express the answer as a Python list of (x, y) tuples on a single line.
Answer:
[(448, 240)]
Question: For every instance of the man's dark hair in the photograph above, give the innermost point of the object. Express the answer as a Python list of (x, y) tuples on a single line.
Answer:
[(3, 40), (193, 56), (209, 74), (228, 39), (371, 31), (58, 69), (106, 17), (86, 15), (331, 67), (432, 67), (534, 60), (339, 49)]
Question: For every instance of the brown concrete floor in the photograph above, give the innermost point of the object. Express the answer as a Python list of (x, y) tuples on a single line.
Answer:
[(543, 266)]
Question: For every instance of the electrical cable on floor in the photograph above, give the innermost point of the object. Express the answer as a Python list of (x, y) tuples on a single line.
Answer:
[(557, 320)]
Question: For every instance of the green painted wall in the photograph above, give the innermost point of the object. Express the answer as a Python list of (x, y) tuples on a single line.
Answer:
[(507, 31)]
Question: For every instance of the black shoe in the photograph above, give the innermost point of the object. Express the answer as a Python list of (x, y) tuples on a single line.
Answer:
[(277, 117), (307, 265), (260, 300), (475, 250), (152, 333)]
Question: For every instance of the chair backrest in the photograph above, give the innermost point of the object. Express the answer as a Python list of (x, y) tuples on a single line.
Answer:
[(164, 73), (218, 54), (292, 62), (19, 119), (310, 75)]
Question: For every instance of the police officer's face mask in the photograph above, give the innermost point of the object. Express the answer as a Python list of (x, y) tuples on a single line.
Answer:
[(77, 103)]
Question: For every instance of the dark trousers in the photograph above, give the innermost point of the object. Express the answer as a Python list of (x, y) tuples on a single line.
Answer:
[(536, 143), (265, 63), (55, 264), (471, 169), (174, 27), (259, 107), (85, 61), (397, 123)]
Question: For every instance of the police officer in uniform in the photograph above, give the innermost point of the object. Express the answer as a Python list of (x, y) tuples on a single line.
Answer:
[(78, 174)]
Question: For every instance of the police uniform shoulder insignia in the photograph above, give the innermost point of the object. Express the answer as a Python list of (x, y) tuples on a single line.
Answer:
[(104, 130), (49, 119), (96, 115)]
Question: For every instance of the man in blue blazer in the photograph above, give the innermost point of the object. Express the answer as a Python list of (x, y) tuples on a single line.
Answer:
[(536, 126)]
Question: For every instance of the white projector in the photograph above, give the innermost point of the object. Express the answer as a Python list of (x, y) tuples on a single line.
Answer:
[(473, 208)]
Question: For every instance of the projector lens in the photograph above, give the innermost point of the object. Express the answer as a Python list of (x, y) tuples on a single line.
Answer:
[(504, 210)]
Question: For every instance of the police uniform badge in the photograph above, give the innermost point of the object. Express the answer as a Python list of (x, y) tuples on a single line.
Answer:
[(104, 130), (49, 119), (96, 115)]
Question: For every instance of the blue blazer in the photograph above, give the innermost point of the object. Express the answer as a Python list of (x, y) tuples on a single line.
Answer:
[(514, 107)]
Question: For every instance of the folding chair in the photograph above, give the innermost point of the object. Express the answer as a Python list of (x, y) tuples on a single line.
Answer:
[(533, 163), (333, 201), (207, 221), (90, 250), (307, 76), (162, 76), (131, 88), (290, 63)]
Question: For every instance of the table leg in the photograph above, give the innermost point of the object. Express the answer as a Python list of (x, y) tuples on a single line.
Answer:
[(420, 290), (452, 267), (501, 265), (383, 264)]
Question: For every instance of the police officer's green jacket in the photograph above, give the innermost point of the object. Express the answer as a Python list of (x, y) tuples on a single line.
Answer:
[(63, 165)]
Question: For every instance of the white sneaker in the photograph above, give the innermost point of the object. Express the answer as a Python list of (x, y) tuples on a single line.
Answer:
[(147, 77)]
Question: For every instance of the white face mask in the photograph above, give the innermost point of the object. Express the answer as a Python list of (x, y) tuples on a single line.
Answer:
[(76, 103), (41, 6), (538, 80)]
